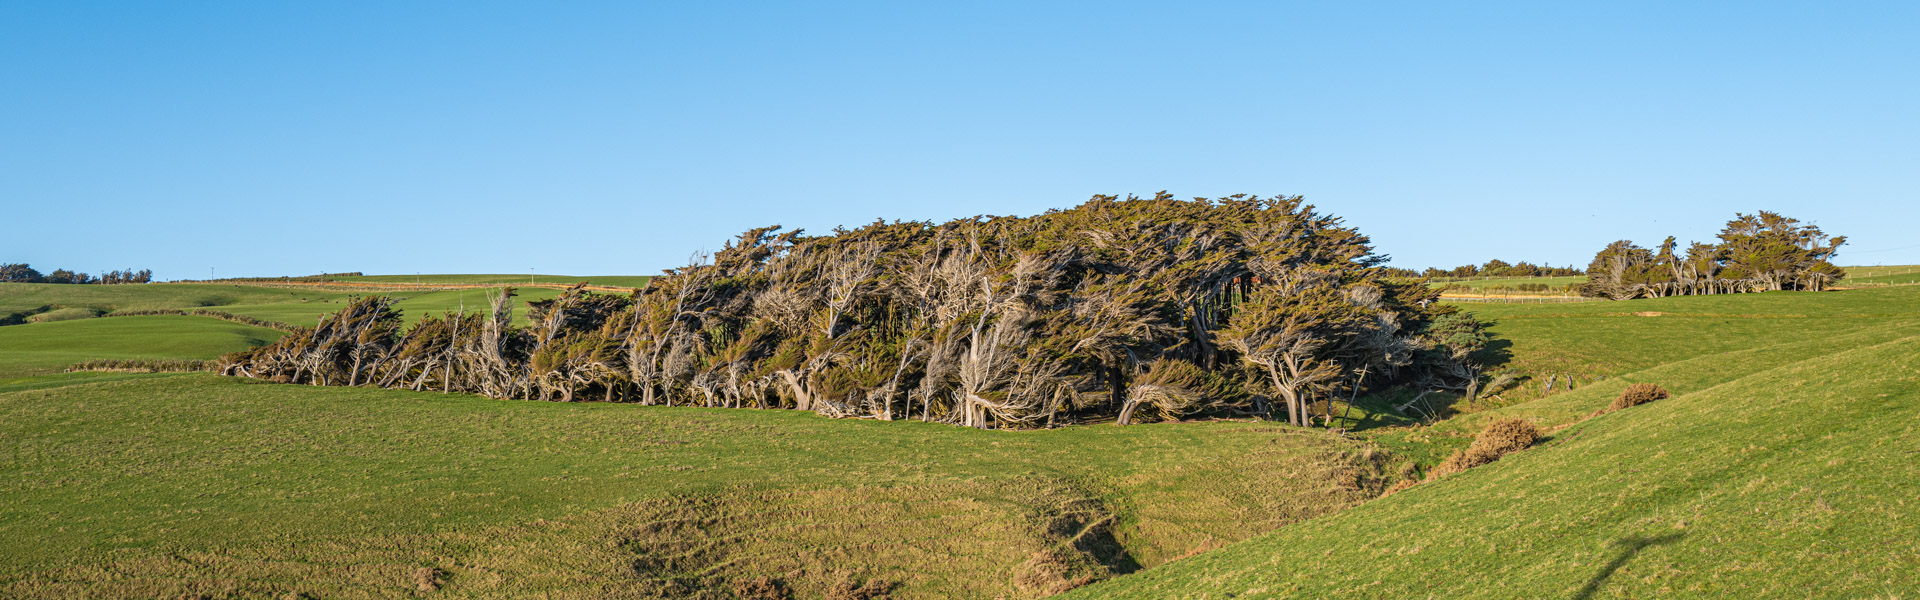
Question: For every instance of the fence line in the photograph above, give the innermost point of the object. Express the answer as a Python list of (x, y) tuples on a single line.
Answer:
[(1519, 299)]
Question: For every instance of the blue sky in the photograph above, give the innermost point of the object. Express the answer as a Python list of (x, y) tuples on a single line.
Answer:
[(272, 138)]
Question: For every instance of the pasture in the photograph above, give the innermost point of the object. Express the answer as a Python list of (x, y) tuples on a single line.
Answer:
[(1787, 448), (168, 485), (1781, 445)]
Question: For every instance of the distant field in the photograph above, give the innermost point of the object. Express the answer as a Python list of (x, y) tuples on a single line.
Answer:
[(1508, 286), (39, 348), (413, 305), (608, 280), (296, 307), (22, 297), (171, 485), (1901, 274)]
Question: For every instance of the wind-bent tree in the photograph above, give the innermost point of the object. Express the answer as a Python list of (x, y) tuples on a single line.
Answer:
[(1131, 309), (1757, 253)]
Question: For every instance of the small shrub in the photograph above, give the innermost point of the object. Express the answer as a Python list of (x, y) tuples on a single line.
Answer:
[(1638, 394), (761, 588), (1505, 436), (1498, 439)]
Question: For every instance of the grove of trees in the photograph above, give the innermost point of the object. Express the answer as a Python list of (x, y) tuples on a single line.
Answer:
[(1757, 253), (1128, 309), (23, 273), (1497, 268)]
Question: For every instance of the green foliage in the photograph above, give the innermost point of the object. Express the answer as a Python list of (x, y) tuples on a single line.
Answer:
[(985, 322), (1757, 253)]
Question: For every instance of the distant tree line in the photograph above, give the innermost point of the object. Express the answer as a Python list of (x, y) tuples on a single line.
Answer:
[(1126, 309), (320, 278), (1757, 253), (1497, 268), (22, 273)]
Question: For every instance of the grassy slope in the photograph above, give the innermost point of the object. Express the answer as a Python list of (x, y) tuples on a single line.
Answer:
[(160, 485), (38, 348), (1791, 449)]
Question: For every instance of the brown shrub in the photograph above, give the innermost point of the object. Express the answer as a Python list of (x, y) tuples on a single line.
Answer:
[(1498, 439), (1505, 436), (426, 579), (1638, 394), (761, 588)]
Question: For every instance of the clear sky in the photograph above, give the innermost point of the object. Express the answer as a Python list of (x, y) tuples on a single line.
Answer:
[(280, 138)]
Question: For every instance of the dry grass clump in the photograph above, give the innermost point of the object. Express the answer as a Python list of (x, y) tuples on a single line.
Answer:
[(1498, 439), (1399, 487), (1638, 394), (426, 579), (761, 588), (852, 589)]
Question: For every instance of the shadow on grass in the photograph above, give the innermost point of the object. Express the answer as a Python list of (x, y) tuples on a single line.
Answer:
[(1629, 547)]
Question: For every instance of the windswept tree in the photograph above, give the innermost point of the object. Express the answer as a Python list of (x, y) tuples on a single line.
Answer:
[(1757, 253), (1126, 309)]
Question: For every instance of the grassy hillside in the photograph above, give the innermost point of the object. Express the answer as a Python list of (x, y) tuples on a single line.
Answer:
[(1782, 447), (38, 348), (158, 486), (1771, 458)]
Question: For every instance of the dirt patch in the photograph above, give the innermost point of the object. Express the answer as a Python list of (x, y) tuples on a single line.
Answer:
[(1648, 313)]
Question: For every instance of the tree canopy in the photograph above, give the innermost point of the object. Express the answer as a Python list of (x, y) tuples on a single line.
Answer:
[(1757, 253), (23, 273), (1131, 309)]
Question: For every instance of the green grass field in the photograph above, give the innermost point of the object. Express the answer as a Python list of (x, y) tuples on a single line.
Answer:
[(163, 485), (1788, 444), (431, 279), (1789, 440), (31, 301), (18, 298), (41, 348), (413, 305)]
